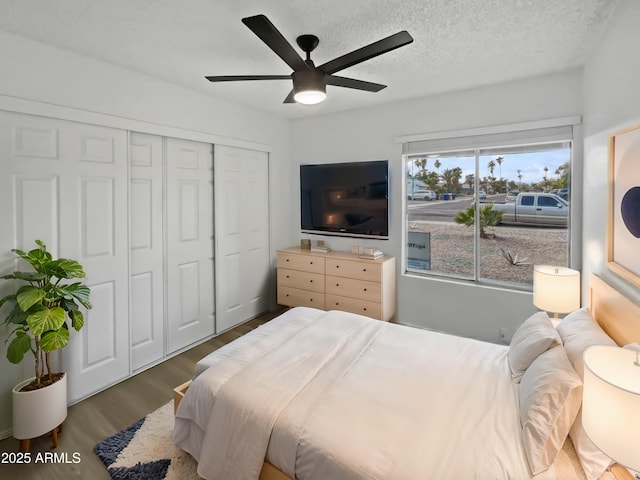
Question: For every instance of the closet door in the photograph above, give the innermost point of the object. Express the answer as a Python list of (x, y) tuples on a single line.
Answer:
[(68, 187), (189, 207), (242, 235), (146, 248)]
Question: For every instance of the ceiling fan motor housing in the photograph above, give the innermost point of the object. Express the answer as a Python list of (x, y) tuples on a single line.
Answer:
[(305, 80)]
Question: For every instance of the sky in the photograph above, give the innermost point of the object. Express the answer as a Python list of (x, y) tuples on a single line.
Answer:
[(531, 165)]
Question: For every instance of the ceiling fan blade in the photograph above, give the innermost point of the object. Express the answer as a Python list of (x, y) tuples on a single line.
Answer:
[(269, 34), (365, 53), (233, 78), (353, 83), (289, 98)]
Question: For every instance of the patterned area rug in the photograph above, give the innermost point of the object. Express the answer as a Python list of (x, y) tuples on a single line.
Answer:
[(144, 451)]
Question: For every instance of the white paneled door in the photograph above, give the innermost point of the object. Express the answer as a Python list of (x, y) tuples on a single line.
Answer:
[(242, 235), (66, 183), (146, 188), (189, 216)]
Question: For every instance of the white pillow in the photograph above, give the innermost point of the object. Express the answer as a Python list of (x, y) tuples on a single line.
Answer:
[(579, 331), (535, 336), (550, 397)]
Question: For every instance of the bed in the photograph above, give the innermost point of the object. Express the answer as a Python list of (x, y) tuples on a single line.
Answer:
[(363, 399)]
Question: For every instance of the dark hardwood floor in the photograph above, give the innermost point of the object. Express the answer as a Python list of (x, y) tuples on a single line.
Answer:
[(109, 411)]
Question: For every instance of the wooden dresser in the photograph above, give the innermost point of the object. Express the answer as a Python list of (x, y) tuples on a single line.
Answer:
[(337, 281)]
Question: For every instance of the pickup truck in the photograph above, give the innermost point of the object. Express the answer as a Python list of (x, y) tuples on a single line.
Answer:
[(535, 208)]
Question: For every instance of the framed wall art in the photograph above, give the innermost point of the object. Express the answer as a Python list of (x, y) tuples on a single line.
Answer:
[(623, 228)]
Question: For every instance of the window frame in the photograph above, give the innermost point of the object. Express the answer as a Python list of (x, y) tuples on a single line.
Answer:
[(560, 136)]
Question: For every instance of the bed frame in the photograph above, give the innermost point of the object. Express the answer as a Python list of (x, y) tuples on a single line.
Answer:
[(618, 316)]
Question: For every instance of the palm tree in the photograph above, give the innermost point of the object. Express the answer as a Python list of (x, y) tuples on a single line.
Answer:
[(451, 177), (546, 182), (470, 180), (492, 166), (499, 162), (488, 217), (520, 179), (437, 165)]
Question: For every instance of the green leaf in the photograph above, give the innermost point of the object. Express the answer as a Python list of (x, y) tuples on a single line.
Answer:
[(45, 319), (6, 299), (54, 340), (29, 276), (77, 319), (64, 268), (20, 345), (80, 293), (28, 296), (16, 316)]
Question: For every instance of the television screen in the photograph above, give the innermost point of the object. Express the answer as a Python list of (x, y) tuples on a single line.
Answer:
[(349, 199)]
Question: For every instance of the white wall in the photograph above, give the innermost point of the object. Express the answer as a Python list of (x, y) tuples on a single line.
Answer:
[(611, 103), (43, 80), (368, 134)]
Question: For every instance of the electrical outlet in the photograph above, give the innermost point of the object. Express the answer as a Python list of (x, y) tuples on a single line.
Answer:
[(503, 332)]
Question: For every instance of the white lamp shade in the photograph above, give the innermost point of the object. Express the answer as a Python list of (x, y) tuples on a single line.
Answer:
[(611, 403), (556, 289)]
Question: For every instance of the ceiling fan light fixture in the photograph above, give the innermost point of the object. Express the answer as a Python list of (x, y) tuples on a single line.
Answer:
[(309, 97), (309, 87)]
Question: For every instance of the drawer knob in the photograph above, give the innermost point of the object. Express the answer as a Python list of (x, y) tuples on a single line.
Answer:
[(365, 289), (365, 309), (337, 266), (337, 303), (287, 259), (311, 299), (287, 276), (337, 284), (310, 281), (364, 269), (311, 263)]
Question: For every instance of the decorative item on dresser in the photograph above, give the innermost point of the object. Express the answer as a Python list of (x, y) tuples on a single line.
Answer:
[(337, 281)]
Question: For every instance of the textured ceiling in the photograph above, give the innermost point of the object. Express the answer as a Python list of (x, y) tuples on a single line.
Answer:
[(457, 44)]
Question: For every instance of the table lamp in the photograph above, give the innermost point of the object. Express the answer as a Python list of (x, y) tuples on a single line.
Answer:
[(556, 289), (611, 402)]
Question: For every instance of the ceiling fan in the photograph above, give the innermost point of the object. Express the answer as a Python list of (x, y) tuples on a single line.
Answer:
[(310, 82)]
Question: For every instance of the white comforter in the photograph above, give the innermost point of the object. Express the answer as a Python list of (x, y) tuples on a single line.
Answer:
[(339, 396)]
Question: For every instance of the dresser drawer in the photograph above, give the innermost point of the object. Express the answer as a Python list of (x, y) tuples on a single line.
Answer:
[(349, 287), (353, 305), (302, 280), (294, 297), (354, 269), (304, 263)]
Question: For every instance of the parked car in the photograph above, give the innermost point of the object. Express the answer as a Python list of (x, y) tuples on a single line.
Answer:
[(482, 195), (561, 192), (535, 208), (422, 195), (511, 197)]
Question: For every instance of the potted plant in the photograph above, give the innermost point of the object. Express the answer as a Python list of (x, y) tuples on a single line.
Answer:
[(43, 307)]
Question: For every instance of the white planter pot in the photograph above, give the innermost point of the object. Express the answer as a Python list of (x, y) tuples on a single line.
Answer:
[(39, 411)]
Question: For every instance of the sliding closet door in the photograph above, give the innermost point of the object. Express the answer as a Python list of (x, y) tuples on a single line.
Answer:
[(66, 183), (242, 235), (146, 248), (189, 234)]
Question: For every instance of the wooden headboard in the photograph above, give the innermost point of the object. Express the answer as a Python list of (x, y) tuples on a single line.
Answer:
[(616, 314)]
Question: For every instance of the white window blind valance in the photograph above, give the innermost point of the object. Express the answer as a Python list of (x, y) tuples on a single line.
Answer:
[(499, 136)]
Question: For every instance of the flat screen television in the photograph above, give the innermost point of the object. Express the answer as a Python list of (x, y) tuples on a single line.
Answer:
[(348, 199)]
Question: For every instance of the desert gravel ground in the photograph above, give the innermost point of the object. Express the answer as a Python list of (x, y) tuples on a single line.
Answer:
[(452, 249)]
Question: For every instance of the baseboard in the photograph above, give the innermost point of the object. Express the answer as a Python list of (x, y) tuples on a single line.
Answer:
[(6, 433)]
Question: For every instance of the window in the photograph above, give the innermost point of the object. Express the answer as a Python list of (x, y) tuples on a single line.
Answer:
[(518, 217)]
